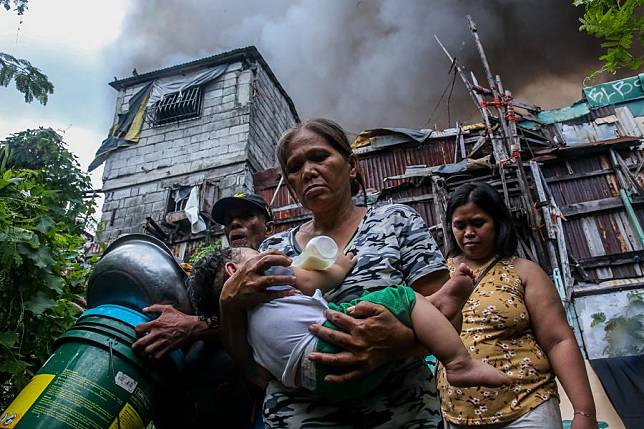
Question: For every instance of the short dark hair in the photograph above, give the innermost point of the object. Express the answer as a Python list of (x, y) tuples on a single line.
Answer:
[(330, 131), (487, 199), (208, 277)]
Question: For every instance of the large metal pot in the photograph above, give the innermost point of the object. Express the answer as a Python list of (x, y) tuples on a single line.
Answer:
[(135, 271)]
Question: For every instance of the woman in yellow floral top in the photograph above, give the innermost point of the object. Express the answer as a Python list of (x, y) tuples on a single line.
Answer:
[(514, 321)]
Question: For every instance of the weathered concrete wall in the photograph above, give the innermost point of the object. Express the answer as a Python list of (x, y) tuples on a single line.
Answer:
[(270, 116), (243, 114), (137, 179)]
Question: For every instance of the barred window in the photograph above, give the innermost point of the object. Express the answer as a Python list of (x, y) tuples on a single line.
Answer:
[(178, 106), (178, 198)]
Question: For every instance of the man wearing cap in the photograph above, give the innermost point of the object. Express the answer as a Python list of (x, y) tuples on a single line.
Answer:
[(247, 221)]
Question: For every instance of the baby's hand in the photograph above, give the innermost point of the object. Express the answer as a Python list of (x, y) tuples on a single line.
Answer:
[(461, 284), (464, 270), (346, 262)]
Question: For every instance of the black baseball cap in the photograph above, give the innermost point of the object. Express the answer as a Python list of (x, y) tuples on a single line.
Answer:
[(240, 199)]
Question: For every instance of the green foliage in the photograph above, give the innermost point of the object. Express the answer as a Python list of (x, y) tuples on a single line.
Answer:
[(18, 6), (204, 250), (30, 81), (624, 334), (42, 272), (620, 26), (597, 318)]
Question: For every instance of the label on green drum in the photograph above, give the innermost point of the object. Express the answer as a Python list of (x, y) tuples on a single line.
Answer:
[(125, 381), (76, 402)]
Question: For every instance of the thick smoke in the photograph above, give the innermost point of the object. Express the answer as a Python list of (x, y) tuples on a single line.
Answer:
[(372, 63)]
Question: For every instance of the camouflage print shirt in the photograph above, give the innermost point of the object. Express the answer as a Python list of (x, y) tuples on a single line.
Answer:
[(393, 246)]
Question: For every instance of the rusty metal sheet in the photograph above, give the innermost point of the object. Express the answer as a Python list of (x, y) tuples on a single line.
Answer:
[(584, 173), (376, 166)]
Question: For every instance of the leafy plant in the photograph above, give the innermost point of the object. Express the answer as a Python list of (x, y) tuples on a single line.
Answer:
[(18, 6), (624, 334), (43, 216), (29, 80), (597, 318), (204, 250), (620, 24)]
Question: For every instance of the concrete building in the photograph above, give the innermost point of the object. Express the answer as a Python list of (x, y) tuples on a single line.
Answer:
[(208, 124)]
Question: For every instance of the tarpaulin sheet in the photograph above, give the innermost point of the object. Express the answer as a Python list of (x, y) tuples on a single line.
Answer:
[(127, 130), (168, 85), (381, 137), (623, 381), (564, 114)]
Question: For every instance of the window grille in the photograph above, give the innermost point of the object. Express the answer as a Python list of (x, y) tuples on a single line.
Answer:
[(178, 106), (178, 198)]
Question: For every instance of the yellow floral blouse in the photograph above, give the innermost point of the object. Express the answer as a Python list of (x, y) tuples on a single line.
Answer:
[(496, 329)]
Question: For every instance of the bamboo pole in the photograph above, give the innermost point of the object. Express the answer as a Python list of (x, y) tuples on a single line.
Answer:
[(497, 147)]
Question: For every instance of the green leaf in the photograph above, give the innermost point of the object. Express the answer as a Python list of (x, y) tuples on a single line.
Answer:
[(41, 257), (597, 318), (12, 365), (40, 303), (635, 298), (45, 224), (55, 284), (8, 339)]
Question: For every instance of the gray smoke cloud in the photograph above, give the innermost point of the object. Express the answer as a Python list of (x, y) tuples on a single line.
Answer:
[(374, 63)]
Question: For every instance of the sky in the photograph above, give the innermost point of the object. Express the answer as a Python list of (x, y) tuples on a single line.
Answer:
[(364, 63), (68, 41)]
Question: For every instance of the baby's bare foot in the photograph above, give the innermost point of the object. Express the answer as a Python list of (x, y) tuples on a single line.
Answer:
[(471, 372)]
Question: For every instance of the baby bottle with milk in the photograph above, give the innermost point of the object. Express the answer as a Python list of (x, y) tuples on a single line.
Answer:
[(319, 254)]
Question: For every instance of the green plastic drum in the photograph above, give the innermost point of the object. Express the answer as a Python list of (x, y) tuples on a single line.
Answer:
[(93, 380)]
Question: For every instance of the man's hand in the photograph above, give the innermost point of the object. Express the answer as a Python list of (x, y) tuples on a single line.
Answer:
[(247, 286), (172, 329), (371, 336)]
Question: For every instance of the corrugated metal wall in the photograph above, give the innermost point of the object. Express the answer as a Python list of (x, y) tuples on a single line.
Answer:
[(572, 180), (600, 233)]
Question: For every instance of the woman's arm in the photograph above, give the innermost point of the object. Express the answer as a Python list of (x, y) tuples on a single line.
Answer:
[(242, 291), (555, 337), (447, 296), (371, 336)]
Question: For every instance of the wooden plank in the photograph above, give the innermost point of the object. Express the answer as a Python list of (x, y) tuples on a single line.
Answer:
[(596, 206), (586, 289), (174, 217), (414, 199), (543, 200), (556, 179), (624, 258), (561, 242)]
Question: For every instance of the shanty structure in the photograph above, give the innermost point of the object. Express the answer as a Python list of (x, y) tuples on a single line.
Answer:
[(184, 136), (573, 180)]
